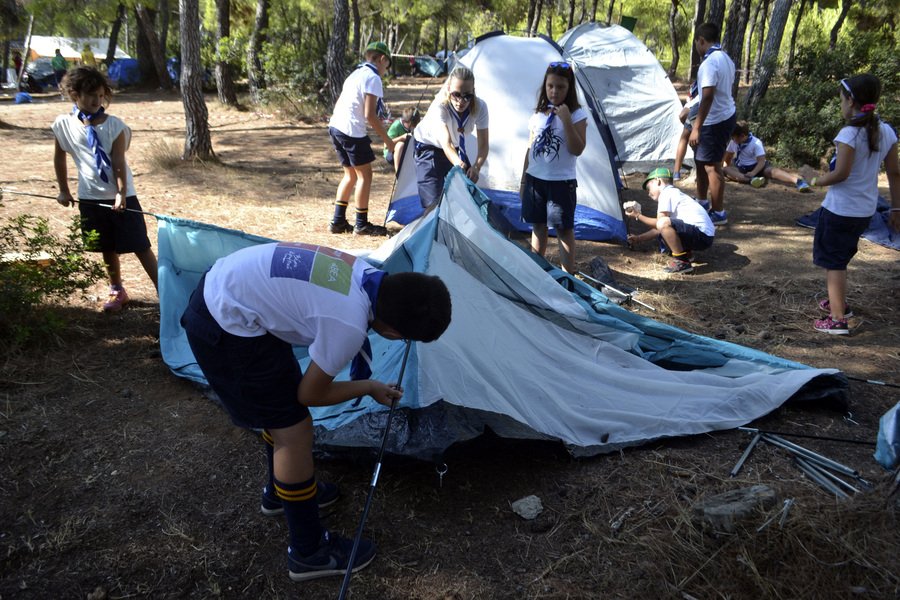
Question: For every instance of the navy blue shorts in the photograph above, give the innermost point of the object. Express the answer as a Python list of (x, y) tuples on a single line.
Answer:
[(257, 378), (714, 140), (352, 152), (432, 167), (837, 239), (119, 232), (550, 202), (690, 235)]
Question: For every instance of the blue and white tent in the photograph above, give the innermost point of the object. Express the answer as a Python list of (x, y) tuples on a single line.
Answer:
[(523, 356)]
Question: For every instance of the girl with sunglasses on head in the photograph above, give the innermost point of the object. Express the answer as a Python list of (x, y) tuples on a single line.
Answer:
[(861, 147), (441, 136), (557, 138)]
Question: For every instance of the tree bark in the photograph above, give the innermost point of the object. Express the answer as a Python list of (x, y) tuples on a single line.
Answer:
[(224, 80), (255, 73), (145, 20), (571, 21), (768, 62), (356, 49), (114, 35), (594, 11), (163, 11), (733, 40), (699, 16), (535, 24), (197, 141), (337, 50), (845, 8), (530, 17), (716, 13), (760, 39), (609, 11), (800, 8), (673, 39)]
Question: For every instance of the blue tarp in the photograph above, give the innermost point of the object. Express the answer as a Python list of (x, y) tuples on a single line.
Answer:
[(124, 72), (879, 231)]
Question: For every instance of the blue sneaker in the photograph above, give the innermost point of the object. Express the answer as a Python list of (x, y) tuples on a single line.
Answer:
[(326, 495), (705, 204), (803, 187), (676, 175), (331, 558), (718, 217)]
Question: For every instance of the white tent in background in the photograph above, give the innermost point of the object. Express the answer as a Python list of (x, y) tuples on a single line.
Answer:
[(70, 48), (636, 98)]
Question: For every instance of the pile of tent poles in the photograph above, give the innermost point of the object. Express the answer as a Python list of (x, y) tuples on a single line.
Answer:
[(829, 474)]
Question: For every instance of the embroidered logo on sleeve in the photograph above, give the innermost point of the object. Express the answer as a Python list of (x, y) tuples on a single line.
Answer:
[(324, 267)]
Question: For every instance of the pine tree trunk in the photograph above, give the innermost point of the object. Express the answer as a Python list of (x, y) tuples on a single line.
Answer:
[(716, 13), (114, 35), (760, 39), (768, 62), (530, 17), (749, 47), (255, 73), (535, 25), (845, 8), (733, 40), (159, 62), (799, 18), (224, 81), (699, 16), (163, 11), (356, 49), (337, 50), (197, 141), (571, 21), (609, 11), (673, 39)]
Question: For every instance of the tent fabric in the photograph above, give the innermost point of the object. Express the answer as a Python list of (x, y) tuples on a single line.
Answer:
[(878, 232), (524, 355), (636, 99), (508, 75), (70, 48)]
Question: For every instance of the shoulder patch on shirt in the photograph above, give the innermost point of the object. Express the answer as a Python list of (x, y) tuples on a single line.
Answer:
[(324, 267)]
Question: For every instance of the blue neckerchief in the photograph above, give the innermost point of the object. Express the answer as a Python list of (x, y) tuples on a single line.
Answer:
[(461, 120), (380, 108), (101, 159), (694, 89), (745, 144), (713, 48), (361, 367), (541, 141), (832, 164)]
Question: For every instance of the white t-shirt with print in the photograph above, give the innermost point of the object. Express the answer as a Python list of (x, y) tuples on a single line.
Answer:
[(857, 196), (71, 134), (684, 208), (748, 155), (551, 159), (349, 116), (439, 120), (304, 294), (717, 71)]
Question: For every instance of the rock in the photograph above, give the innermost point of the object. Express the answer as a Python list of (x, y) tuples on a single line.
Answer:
[(528, 507), (722, 511), (740, 328), (765, 334)]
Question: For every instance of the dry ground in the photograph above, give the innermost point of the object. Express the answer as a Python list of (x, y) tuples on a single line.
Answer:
[(119, 480)]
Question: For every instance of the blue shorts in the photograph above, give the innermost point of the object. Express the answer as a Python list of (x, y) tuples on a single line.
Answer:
[(690, 235), (119, 232), (432, 166), (255, 377), (748, 168), (550, 202), (837, 239), (352, 152), (713, 141)]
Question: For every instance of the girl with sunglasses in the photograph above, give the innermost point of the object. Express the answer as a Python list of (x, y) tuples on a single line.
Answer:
[(441, 136), (557, 138), (861, 147)]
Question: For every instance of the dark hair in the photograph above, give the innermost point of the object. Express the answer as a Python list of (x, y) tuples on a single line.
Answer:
[(709, 32), (412, 115), (865, 89), (84, 80), (415, 304), (571, 96), (741, 128)]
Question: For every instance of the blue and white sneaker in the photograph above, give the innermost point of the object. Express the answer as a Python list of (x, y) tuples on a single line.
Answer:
[(803, 187), (326, 495), (705, 204), (718, 217), (331, 558)]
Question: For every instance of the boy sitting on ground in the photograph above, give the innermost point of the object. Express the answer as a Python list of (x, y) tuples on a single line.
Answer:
[(681, 225), (745, 161), (399, 131)]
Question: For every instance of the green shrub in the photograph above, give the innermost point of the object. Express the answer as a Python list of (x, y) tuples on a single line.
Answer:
[(36, 267)]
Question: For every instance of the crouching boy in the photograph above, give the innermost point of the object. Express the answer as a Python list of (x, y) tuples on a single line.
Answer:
[(681, 225)]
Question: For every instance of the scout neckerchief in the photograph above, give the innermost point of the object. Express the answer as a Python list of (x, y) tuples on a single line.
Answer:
[(361, 367), (542, 138), (101, 159), (380, 108), (741, 147), (461, 120), (713, 48)]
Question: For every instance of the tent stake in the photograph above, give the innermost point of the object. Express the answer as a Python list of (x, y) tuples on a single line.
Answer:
[(746, 454), (627, 296)]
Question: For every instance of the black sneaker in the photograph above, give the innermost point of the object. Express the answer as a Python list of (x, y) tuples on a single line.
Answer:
[(342, 226), (326, 495), (331, 558), (370, 229)]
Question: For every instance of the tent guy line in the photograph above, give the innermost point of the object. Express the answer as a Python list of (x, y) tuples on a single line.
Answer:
[(109, 206)]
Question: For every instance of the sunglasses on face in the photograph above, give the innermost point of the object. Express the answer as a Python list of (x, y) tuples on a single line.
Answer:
[(466, 97), (561, 65)]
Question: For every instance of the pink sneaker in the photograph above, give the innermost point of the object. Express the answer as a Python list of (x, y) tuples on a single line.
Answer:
[(829, 325), (118, 298)]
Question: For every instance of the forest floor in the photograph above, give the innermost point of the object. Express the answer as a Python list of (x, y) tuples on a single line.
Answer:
[(120, 480)]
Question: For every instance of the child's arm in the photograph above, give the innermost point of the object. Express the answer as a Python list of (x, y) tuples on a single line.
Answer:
[(120, 170), (62, 176), (706, 100), (842, 168), (892, 166), (729, 158), (575, 132), (760, 164), (483, 146), (371, 112), (318, 388)]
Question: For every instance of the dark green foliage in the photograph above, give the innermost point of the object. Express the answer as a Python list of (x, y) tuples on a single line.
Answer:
[(799, 118), (26, 284)]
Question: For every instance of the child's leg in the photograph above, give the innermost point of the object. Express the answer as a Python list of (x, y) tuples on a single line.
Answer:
[(780, 175), (148, 261), (113, 267), (716, 180), (837, 292), (734, 174), (702, 180), (398, 155), (566, 240), (539, 238), (670, 236), (361, 192), (344, 191), (682, 148)]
